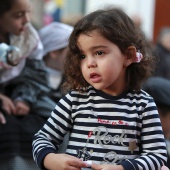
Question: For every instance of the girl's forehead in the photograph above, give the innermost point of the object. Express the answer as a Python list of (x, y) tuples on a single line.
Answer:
[(90, 32), (93, 33), (93, 41), (21, 5)]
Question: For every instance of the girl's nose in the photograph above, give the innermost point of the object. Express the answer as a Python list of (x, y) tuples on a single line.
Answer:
[(26, 18), (91, 62)]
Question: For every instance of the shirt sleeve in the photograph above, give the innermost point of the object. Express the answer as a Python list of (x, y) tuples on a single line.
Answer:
[(153, 148), (49, 136)]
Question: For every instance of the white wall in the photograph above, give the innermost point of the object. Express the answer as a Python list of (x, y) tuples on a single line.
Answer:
[(37, 13), (144, 8)]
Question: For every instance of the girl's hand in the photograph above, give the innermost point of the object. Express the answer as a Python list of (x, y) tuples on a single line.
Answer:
[(164, 168), (106, 167), (21, 108), (63, 162), (7, 104), (2, 118)]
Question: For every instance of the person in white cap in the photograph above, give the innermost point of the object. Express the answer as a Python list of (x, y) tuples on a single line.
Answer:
[(55, 40)]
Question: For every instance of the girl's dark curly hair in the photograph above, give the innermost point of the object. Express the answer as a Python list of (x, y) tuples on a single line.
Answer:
[(6, 5), (117, 27)]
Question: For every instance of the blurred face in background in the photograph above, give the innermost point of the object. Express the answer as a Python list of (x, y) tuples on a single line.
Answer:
[(165, 41), (14, 20)]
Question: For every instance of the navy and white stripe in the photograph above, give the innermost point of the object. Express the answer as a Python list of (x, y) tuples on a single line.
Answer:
[(122, 129)]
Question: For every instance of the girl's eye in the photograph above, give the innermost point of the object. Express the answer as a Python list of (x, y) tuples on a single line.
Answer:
[(99, 52), (82, 57), (18, 15), (21, 14)]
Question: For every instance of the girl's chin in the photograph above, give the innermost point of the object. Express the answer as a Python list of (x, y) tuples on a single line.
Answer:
[(19, 32), (97, 87)]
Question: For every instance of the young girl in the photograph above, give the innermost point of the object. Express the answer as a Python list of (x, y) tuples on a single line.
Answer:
[(17, 34), (113, 124)]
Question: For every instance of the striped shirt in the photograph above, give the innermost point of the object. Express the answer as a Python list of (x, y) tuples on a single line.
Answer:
[(105, 129)]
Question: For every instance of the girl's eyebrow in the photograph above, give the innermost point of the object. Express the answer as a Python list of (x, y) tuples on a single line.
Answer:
[(95, 48), (18, 12), (98, 46)]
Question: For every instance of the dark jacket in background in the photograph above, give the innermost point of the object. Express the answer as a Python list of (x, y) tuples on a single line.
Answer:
[(163, 64)]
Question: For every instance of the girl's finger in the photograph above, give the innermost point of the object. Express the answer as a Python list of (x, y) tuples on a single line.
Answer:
[(2, 118)]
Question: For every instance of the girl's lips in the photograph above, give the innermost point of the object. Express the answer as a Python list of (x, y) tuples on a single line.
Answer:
[(22, 28), (95, 78)]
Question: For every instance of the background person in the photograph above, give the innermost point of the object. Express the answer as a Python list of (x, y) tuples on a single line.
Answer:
[(15, 117), (162, 51), (159, 89), (55, 41)]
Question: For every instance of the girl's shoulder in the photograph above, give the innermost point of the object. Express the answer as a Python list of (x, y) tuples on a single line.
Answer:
[(141, 98), (84, 92), (140, 95)]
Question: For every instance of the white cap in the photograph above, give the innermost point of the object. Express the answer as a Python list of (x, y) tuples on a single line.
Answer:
[(54, 36)]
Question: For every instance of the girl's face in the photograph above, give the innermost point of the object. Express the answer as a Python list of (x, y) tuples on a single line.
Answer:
[(102, 63), (14, 20)]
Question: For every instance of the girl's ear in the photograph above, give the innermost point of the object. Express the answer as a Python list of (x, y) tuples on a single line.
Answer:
[(130, 55)]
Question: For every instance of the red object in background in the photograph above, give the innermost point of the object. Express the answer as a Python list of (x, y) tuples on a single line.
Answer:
[(48, 19)]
